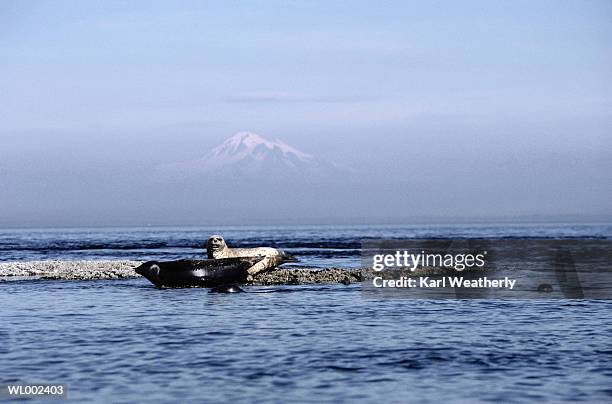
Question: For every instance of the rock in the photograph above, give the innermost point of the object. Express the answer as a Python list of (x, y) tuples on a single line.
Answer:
[(88, 270), (79, 270), (296, 276)]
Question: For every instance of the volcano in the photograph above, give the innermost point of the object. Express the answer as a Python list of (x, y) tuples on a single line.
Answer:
[(249, 155)]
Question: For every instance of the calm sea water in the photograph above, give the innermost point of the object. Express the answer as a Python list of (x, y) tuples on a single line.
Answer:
[(125, 341)]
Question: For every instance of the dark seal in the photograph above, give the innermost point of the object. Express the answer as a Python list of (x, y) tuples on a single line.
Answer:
[(545, 288), (197, 273)]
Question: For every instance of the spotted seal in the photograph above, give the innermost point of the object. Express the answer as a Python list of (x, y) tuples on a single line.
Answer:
[(217, 248)]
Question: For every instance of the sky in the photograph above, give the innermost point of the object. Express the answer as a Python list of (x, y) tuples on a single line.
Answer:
[(471, 108)]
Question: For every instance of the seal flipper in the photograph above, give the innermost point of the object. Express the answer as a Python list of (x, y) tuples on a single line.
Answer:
[(287, 257), (231, 288)]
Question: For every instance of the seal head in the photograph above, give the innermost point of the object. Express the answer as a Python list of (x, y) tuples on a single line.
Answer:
[(215, 247)]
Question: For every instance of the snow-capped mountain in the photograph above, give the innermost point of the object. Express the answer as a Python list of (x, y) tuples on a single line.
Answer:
[(247, 154), (251, 149)]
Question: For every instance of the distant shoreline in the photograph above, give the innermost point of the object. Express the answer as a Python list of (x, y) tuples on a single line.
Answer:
[(518, 220)]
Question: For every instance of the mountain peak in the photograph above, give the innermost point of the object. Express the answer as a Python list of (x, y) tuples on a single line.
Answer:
[(248, 144), (249, 155), (249, 139)]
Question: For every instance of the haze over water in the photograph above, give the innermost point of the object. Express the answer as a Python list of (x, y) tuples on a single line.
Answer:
[(440, 109)]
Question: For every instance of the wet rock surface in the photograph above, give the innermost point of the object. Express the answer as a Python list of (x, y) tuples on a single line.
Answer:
[(77, 270), (298, 276), (90, 270)]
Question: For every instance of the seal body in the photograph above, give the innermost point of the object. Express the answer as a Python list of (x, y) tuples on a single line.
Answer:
[(545, 287), (197, 273), (217, 248)]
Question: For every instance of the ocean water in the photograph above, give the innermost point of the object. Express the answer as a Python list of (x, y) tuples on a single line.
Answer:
[(125, 341), (316, 246)]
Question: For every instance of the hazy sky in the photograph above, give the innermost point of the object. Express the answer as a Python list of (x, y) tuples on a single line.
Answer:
[(485, 107)]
